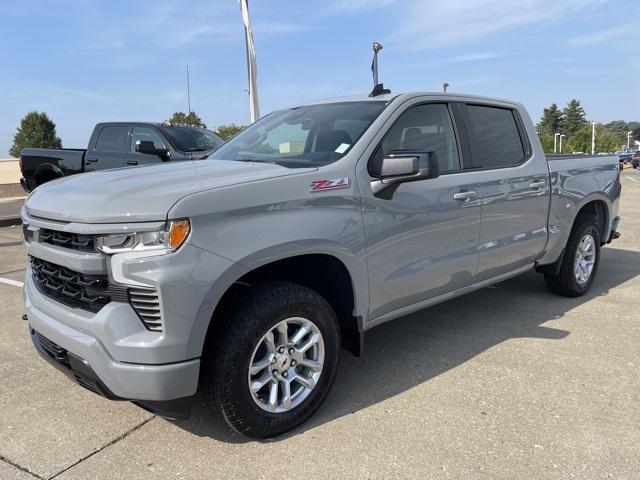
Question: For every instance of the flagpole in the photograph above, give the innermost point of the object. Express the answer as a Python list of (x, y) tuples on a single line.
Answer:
[(252, 69)]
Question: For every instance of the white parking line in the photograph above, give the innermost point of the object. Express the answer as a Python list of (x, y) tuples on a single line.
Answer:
[(11, 282), (634, 179)]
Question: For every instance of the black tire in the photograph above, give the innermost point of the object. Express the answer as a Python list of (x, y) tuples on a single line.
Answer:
[(226, 368), (565, 283)]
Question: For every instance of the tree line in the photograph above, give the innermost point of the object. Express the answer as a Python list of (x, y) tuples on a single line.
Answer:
[(37, 130), (572, 122)]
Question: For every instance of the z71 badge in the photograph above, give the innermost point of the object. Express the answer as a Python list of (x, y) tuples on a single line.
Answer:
[(331, 184)]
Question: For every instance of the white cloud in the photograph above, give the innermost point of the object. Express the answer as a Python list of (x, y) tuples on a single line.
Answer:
[(603, 36), (433, 23)]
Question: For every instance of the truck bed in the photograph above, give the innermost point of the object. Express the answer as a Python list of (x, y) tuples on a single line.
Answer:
[(39, 162)]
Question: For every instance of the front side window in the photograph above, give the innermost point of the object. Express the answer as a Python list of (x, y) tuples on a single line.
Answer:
[(495, 137), (425, 127), (146, 134), (312, 135), (113, 139)]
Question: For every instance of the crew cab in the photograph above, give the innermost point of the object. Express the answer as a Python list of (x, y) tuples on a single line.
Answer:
[(116, 145), (243, 274)]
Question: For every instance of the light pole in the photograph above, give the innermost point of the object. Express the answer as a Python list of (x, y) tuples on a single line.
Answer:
[(593, 138), (629, 139), (555, 142), (561, 136), (252, 68)]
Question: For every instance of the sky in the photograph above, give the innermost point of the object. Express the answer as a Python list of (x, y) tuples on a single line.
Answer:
[(88, 61)]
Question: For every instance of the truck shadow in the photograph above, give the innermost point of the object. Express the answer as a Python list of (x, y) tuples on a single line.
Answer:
[(407, 352)]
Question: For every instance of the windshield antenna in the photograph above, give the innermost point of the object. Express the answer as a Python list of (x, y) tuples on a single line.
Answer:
[(378, 88)]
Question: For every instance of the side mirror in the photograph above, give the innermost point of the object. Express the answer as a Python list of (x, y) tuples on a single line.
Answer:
[(145, 146), (148, 147), (403, 166)]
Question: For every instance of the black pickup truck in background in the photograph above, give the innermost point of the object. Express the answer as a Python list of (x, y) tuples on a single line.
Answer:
[(115, 145)]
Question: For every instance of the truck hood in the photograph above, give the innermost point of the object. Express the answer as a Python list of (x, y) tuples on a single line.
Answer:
[(141, 194)]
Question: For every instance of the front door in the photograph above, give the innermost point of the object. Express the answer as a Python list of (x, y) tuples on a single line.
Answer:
[(144, 133), (422, 241), (108, 152), (514, 189)]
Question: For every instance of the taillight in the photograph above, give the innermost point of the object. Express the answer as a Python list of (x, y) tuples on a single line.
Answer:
[(21, 166)]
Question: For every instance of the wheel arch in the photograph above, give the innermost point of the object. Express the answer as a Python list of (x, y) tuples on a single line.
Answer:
[(45, 173), (323, 272)]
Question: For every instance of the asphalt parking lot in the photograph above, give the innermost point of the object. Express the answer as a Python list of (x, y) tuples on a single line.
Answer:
[(507, 382)]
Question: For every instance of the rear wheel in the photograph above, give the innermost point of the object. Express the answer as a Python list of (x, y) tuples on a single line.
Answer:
[(276, 359), (580, 261)]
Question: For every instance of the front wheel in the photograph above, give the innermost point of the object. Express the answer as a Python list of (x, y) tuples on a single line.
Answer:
[(276, 359), (580, 261)]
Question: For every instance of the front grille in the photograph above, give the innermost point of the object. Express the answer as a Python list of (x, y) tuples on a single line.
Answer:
[(88, 292), (146, 303), (74, 241)]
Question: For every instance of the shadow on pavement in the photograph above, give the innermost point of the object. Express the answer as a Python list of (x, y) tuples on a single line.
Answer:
[(414, 349)]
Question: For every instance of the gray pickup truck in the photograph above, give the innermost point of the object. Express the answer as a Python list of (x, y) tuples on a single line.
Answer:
[(243, 274)]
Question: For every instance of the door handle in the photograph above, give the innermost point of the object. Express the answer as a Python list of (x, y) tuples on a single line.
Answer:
[(131, 162), (91, 160), (537, 185), (464, 195)]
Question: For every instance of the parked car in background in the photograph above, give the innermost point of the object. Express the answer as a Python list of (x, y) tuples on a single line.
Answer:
[(625, 155), (244, 274), (115, 145), (635, 159)]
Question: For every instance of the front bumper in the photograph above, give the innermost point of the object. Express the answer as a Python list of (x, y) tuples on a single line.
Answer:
[(79, 370), (88, 358)]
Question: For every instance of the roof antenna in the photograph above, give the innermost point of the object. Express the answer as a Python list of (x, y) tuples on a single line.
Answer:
[(444, 87), (378, 88), (188, 92)]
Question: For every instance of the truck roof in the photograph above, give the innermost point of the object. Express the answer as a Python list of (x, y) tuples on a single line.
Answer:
[(155, 124), (387, 97)]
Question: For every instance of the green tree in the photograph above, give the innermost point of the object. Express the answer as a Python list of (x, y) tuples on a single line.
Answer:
[(228, 130), (187, 119), (36, 130), (551, 121), (605, 141), (619, 128), (546, 139), (635, 134), (574, 118)]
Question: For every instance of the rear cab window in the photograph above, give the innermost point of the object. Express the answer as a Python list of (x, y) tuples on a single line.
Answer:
[(496, 136)]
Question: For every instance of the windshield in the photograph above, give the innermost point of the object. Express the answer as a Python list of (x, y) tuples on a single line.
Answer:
[(192, 139), (313, 135)]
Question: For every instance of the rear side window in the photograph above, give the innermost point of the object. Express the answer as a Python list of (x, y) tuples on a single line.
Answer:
[(113, 139), (495, 138)]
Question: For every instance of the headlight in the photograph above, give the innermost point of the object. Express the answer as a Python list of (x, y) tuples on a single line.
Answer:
[(160, 242)]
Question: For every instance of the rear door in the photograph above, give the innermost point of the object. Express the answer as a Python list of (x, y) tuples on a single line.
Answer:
[(421, 240), (109, 148), (146, 133), (513, 185)]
